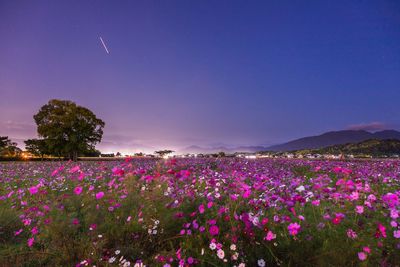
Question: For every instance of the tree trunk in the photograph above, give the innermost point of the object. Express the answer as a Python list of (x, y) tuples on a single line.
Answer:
[(75, 155)]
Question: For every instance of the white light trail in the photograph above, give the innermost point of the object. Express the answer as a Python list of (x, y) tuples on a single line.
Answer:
[(104, 45)]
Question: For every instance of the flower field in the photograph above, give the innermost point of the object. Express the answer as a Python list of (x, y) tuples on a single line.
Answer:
[(200, 212)]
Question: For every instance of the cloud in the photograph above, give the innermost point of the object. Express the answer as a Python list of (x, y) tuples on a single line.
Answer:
[(372, 126), (17, 126)]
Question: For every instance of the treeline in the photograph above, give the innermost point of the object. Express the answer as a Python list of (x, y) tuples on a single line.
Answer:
[(8, 148)]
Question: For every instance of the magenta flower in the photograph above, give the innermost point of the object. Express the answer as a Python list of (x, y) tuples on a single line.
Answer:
[(99, 195), (33, 190), (78, 190), (74, 169), (270, 236), (18, 232), (35, 230), (391, 200), (380, 231), (214, 230), (190, 260), (201, 209), (367, 249), (246, 194), (118, 171), (294, 228), (31, 241)]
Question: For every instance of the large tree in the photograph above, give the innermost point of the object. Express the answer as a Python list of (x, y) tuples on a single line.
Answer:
[(163, 153), (69, 130)]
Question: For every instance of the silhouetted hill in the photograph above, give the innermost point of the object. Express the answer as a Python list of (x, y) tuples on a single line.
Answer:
[(373, 147), (210, 150), (334, 138)]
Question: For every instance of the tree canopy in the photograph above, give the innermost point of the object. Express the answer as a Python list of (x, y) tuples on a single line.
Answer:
[(66, 129), (164, 152), (8, 148)]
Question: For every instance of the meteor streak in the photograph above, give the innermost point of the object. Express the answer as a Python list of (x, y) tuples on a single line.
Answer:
[(104, 45)]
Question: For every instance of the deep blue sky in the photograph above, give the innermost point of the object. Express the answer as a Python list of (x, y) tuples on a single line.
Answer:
[(203, 72)]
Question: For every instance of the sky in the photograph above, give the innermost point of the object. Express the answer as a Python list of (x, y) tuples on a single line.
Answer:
[(207, 73)]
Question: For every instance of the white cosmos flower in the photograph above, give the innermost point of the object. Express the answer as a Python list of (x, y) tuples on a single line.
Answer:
[(220, 253), (300, 188), (261, 262), (213, 246)]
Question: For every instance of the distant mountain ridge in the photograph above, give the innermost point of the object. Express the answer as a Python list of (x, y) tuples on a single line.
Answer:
[(334, 138), (210, 150), (372, 147), (310, 142)]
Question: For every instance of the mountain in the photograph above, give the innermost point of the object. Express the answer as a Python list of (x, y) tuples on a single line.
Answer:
[(211, 150), (373, 147), (334, 138)]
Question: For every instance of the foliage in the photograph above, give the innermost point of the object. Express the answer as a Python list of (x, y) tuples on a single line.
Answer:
[(37, 147), (67, 129), (163, 153), (8, 148)]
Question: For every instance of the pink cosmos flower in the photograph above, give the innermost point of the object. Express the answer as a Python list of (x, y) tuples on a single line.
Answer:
[(294, 228), (33, 190), (54, 172), (315, 202), (118, 171), (246, 194), (74, 169), (396, 234), (264, 221), (359, 209), (212, 222), (394, 214), (78, 190), (391, 200), (35, 230), (99, 195), (18, 232), (31, 241), (214, 230), (338, 218), (380, 231), (81, 176), (351, 234), (270, 236), (201, 209), (362, 256), (367, 249), (190, 260), (354, 196)]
